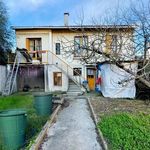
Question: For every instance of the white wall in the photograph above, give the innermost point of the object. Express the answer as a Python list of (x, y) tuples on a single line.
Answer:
[(2, 77), (51, 87), (44, 35), (66, 39), (51, 37)]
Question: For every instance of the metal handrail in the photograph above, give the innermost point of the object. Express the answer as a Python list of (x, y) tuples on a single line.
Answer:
[(77, 80), (45, 51), (66, 64)]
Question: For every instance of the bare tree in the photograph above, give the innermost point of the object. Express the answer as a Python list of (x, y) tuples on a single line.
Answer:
[(125, 40)]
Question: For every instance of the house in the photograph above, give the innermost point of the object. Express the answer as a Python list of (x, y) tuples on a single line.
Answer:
[(56, 51)]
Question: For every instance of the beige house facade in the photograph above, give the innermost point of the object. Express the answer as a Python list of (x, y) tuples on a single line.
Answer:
[(52, 47)]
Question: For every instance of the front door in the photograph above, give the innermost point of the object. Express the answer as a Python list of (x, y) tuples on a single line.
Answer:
[(91, 78)]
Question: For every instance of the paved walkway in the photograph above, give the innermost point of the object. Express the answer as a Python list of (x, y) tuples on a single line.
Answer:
[(74, 129)]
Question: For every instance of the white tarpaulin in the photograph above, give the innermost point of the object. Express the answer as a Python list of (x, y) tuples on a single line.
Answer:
[(116, 83)]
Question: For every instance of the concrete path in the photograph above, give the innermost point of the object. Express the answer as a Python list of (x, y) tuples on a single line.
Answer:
[(74, 129)]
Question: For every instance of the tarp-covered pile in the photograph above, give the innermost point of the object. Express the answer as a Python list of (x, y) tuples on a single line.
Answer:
[(117, 83)]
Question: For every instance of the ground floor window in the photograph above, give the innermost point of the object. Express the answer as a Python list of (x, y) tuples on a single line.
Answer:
[(77, 71), (57, 78), (90, 73)]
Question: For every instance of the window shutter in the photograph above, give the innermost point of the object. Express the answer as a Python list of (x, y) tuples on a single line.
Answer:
[(108, 42), (27, 44)]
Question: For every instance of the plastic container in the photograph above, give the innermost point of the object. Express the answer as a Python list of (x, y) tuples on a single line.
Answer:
[(12, 128), (43, 103)]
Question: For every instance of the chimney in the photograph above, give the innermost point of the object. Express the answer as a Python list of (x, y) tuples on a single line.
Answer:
[(66, 17)]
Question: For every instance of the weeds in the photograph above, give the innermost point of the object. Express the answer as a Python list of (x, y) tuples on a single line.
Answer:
[(126, 131)]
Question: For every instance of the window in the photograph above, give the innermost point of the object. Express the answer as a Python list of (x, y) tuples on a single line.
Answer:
[(57, 46), (35, 44), (80, 43), (148, 48), (148, 43), (114, 43), (57, 78), (77, 71), (90, 73)]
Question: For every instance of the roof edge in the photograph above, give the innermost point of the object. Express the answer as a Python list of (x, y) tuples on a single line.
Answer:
[(74, 27)]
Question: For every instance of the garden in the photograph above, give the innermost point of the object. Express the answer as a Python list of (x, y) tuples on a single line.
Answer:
[(125, 124), (24, 101)]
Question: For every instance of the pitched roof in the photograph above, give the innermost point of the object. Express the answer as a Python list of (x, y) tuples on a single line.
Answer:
[(74, 27)]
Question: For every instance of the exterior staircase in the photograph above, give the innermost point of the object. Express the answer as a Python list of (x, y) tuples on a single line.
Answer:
[(75, 82), (74, 89)]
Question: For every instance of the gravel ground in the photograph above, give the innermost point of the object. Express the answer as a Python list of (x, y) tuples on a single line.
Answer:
[(73, 130)]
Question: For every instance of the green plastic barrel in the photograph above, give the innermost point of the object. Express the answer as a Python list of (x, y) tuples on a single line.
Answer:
[(12, 129), (43, 104)]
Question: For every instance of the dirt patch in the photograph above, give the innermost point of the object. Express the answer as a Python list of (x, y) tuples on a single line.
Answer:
[(105, 106)]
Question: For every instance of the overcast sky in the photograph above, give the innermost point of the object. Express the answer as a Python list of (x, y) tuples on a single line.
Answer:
[(50, 12)]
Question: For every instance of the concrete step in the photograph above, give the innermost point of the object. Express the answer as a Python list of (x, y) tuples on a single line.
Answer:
[(73, 85), (72, 82), (74, 93), (72, 89)]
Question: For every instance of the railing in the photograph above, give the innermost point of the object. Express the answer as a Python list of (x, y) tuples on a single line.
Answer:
[(48, 57), (41, 55), (66, 68)]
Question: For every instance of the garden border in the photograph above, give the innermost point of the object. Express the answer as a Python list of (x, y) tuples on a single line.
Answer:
[(103, 142), (38, 141)]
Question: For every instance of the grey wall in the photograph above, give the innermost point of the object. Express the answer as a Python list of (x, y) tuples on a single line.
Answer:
[(2, 77)]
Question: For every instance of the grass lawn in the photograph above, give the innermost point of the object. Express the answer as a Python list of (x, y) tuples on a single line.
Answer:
[(21, 100), (126, 131), (24, 101)]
